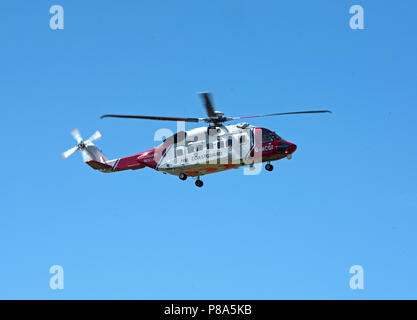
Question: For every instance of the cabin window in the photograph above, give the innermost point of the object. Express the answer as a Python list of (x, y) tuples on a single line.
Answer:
[(180, 153), (242, 139), (220, 144), (176, 138), (191, 149), (229, 142), (210, 146), (200, 147)]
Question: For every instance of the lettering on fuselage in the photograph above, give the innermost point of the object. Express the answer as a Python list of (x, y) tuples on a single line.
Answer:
[(207, 156), (268, 147)]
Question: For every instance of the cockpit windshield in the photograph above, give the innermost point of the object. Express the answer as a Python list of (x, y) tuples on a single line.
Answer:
[(268, 136)]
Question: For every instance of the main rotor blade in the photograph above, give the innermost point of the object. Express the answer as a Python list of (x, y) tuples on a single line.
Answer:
[(151, 118), (69, 152), (282, 114), (208, 104), (77, 136)]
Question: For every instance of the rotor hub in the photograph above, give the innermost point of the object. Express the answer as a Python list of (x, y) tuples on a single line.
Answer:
[(81, 145)]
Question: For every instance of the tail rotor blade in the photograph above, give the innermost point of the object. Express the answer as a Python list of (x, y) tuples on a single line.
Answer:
[(97, 135), (77, 136), (69, 152)]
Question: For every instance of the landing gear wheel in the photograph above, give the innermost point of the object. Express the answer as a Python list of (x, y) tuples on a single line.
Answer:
[(269, 167), (199, 183), (182, 176)]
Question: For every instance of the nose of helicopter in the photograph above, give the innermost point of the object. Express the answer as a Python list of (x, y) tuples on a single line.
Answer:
[(291, 148), (286, 147)]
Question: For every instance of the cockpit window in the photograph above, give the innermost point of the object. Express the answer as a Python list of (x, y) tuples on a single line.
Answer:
[(268, 136)]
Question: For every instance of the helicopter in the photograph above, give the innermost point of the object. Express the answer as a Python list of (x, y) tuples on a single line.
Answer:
[(197, 152)]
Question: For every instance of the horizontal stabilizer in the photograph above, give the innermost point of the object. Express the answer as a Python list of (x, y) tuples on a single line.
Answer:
[(99, 165)]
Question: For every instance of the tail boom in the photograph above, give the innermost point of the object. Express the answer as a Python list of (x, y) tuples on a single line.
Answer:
[(121, 164)]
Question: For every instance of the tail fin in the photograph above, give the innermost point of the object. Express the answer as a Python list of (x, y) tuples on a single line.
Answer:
[(96, 159), (92, 155)]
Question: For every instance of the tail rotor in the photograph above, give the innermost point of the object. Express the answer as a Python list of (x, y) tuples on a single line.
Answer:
[(81, 144)]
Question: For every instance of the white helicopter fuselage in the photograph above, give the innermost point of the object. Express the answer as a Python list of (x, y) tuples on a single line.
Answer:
[(203, 151)]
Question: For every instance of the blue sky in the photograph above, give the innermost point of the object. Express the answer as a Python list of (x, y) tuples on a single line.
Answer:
[(347, 197)]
